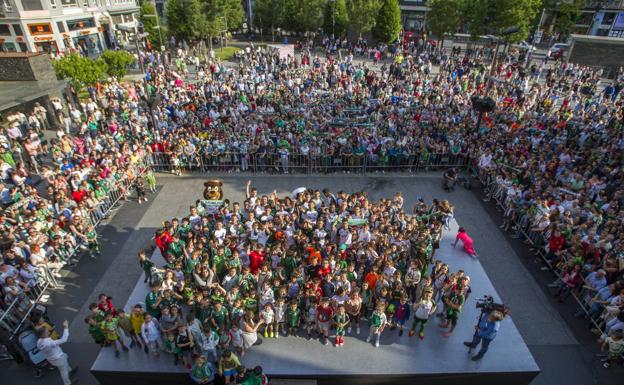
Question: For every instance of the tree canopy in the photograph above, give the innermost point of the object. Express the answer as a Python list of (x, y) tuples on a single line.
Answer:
[(388, 22), (80, 71), (335, 17)]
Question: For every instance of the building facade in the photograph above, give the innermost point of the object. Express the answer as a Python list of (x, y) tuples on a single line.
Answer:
[(60, 26), (602, 18), (414, 15)]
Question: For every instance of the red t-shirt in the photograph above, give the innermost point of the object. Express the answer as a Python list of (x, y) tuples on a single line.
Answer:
[(256, 259), (324, 314)]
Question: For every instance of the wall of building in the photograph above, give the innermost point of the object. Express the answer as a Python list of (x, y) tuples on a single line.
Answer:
[(25, 66), (598, 52)]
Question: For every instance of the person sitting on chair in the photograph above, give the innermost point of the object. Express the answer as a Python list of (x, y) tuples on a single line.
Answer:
[(449, 179)]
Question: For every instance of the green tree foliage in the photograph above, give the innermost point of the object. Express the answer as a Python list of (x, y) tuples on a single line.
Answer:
[(78, 70), (565, 13), (302, 15), (444, 17), (335, 17), (150, 23), (116, 62), (494, 16), (268, 14), (220, 11), (388, 22), (362, 15), (186, 20)]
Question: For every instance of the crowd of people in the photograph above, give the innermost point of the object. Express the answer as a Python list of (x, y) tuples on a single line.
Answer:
[(551, 153), (313, 264)]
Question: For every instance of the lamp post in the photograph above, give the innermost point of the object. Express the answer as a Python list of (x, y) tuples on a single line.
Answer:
[(485, 104)]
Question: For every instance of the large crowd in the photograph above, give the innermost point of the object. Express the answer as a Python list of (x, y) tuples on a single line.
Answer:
[(551, 154)]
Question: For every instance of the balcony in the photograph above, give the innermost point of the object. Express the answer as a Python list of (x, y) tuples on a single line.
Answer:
[(612, 4)]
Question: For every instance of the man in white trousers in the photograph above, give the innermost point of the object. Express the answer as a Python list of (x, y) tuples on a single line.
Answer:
[(54, 354)]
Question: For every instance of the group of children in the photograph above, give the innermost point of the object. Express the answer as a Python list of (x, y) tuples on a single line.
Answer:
[(310, 265)]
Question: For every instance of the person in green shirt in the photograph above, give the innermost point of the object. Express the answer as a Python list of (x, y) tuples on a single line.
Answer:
[(377, 322), (219, 317), (219, 262), (202, 371), (454, 302), (176, 247), (153, 300), (341, 320), (95, 331), (293, 318)]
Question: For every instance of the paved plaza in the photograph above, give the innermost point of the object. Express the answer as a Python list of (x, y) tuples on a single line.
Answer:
[(560, 346)]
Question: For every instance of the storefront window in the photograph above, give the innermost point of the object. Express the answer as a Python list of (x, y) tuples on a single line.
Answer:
[(9, 47), (23, 47), (40, 29), (47, 46), (74, 25), (88, 45), (5, 30)]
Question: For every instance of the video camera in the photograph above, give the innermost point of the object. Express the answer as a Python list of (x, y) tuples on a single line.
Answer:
[(487, 305)]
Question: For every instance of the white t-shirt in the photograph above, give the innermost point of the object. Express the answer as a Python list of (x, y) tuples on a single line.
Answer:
[(424, 309)]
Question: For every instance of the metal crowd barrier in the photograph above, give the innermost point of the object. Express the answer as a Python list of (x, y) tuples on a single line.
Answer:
[(522, 224), (298, 163)]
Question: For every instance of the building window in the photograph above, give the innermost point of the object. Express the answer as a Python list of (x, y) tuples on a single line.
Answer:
[(40, 29), (9, 47), (7, 5), (60, 26), (5, 30), (23, 47), (69, 3), (74, 25), (53, 4), (32, 5), (608, 18), (18, 30)]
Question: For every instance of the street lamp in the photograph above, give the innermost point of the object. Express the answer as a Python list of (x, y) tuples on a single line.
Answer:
[(482, 105)]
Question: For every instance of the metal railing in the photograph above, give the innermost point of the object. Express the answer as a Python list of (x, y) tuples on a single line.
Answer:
[(299, 163), (523, 224)]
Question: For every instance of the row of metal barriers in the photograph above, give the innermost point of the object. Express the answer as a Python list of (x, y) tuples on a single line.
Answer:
[(297, 163), (16, 314), (522, 223)]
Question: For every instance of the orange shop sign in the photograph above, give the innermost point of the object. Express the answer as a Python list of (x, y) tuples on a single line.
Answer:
[(44, 38)]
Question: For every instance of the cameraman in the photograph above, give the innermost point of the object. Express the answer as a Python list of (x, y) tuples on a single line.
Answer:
[(485, 332)]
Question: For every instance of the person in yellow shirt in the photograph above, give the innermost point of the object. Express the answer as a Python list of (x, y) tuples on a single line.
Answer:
[(137, 317), (227, 366)]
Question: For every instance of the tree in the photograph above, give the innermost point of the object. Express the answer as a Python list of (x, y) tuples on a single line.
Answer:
[(565, 13), (444, 17), (388, 21), (221, 10), (494, 16), (186, 20), (150, 23), (268, 14), (335, 17), (116, 62), (78, 70), (302, 15), (362, 15)]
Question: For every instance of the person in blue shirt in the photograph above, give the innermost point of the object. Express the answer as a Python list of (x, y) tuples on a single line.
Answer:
[(485, 333)]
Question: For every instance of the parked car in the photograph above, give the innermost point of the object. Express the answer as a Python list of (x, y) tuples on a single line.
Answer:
[(557, 50), (524, 46)]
